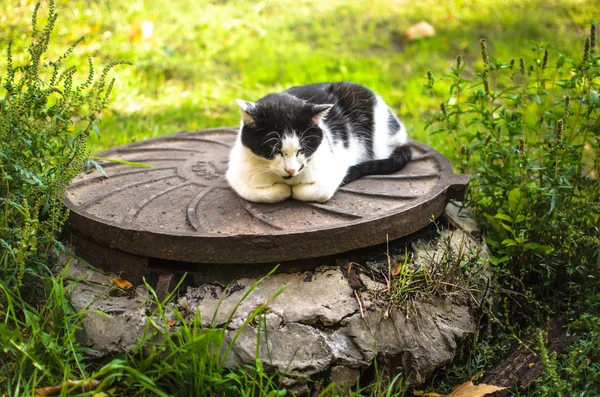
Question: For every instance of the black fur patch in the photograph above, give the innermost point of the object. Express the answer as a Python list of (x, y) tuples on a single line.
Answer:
[(393, 123), (398, 159), (292, 112), (275, 116), (352, 112)]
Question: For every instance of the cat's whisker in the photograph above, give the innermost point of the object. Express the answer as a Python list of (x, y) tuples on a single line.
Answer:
[(275, 149), (269, 140), (276, 133), (308, 148), (307, 137), (304, 132)]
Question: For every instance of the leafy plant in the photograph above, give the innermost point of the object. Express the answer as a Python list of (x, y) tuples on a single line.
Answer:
[(577, 372), (46, 117), (439, 271), (529, 131), (179, 355)]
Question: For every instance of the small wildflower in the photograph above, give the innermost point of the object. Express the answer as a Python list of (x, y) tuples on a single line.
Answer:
[(559, 131), (522, 66), (444, 110), (459, 62), (430, 79), (487, 140), (521, 145), (593, 38), (34, 29), (486, 84), (512, 64), (586, 49), (545, 61), (484, 54)]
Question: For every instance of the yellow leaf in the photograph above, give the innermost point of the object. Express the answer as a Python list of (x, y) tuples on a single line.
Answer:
[(74, 387), (397, 269), (103, 394), (531, 365), (171, 323), (419, 31), (123, 284), (135, 31), (468, 389)]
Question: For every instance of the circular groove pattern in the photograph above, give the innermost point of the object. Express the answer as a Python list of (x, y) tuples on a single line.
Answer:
[(183, 209)]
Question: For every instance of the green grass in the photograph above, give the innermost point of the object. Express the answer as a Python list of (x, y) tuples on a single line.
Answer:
[(202, 56), (199, 59)]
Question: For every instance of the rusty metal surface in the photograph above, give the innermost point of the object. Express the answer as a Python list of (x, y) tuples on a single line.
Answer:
[(183, 209)]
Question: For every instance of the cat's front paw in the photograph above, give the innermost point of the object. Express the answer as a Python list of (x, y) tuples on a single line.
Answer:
[(267, 194), (273, 194), (311, 192)]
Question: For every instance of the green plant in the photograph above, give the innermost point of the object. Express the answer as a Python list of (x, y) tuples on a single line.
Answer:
[(179, 355), (37, 338), (529, 130), (46, 117), (577, 371), (439, 271)]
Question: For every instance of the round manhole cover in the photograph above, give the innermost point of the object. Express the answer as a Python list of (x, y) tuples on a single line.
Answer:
[(182, 209)]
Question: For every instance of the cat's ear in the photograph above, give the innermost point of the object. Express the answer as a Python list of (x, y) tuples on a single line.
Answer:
[(320, 111), (246, 109)]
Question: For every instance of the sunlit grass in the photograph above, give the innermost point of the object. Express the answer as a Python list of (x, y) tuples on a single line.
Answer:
[(200, 56)]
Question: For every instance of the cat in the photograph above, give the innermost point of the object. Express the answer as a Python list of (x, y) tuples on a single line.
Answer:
[(307, 141)]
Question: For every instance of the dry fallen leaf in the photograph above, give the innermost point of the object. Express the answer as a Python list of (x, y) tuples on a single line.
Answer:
[(467, 389), (111, 392), (123, 284), (397, 269), (419, 31), (74, 387), (171, 323)]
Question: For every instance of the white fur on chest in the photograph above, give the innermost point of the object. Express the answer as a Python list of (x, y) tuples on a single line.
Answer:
[(254, 178)]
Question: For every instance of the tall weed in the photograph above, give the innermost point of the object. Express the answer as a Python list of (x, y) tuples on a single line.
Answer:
[(46, 117), (529, 131)]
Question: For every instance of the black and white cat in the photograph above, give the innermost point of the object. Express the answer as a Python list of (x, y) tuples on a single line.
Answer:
[(307, 141)]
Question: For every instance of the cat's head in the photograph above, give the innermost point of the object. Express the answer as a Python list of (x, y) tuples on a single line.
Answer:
[(283, 130)]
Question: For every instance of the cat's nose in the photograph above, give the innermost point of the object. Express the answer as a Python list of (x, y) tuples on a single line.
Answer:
[(290, 171)]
